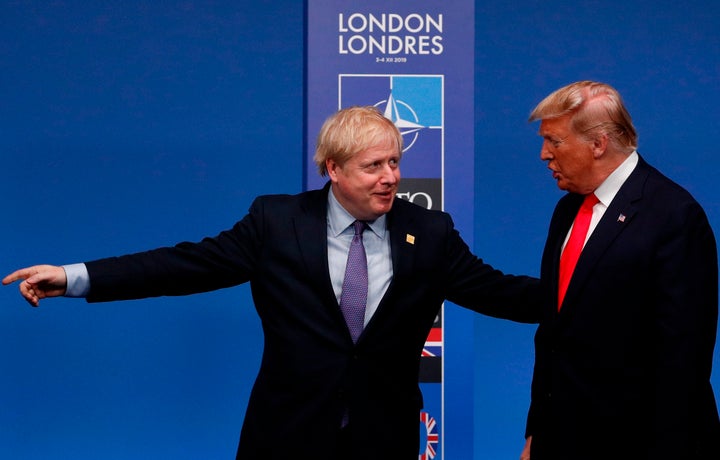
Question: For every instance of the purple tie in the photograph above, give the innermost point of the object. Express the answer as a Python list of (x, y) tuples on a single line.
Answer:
[(355, 285)]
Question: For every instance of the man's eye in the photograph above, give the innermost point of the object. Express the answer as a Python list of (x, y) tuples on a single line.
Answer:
[(554, 141)]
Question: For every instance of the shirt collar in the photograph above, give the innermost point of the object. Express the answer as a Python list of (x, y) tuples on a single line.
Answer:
[(339, 219), (610, 186)]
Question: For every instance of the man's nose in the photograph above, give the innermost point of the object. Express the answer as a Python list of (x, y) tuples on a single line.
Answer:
[(545, 153), (389, 174)]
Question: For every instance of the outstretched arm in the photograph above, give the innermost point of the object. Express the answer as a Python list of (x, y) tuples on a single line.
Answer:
[(39, 282)]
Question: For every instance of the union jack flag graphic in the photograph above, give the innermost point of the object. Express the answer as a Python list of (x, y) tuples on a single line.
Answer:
[(431, 437), (433, 343)]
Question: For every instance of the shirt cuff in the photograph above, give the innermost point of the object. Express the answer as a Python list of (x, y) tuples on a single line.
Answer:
[(78, 280)]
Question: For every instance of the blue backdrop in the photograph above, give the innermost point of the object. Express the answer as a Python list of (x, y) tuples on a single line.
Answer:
[(127, 125)]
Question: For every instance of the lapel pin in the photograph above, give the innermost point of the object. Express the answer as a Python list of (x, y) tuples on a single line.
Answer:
[(621, 218), (409, 238)]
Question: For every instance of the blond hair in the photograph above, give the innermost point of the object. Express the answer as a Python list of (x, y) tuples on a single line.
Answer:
[(595, 108), (353, 130)]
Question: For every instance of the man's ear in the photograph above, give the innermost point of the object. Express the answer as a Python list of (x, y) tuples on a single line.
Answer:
[(332, 166), (599, 145)]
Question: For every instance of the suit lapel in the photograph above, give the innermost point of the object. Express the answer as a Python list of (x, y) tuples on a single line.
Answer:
[(617, 217), (402, 240), (310, 232), (400, 226)]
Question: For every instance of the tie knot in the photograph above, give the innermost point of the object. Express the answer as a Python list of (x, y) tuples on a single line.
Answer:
[(590, 201), (359, 227)]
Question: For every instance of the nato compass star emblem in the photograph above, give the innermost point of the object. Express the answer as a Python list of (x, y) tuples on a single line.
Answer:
[(414, 103), (405, 126)]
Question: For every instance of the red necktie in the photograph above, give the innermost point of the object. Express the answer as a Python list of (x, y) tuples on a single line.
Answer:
[(575, 244)]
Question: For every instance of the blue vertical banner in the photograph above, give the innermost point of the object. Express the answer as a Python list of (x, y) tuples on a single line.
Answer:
[(414, 61)]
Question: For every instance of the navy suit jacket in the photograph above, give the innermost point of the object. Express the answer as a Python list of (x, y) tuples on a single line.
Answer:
[(311, 371), (623, 370)]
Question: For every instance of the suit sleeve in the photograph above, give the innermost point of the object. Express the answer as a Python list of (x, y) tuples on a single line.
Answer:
[(480, 287), (225, 260)]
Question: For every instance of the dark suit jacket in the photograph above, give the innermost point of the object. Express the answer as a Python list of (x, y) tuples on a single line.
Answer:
[(623, 370), (311, 371)]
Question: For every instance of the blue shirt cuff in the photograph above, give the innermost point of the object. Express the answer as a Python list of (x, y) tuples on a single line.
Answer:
[(78, 280)]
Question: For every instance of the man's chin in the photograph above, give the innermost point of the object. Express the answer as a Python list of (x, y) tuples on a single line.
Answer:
[(382, 208)]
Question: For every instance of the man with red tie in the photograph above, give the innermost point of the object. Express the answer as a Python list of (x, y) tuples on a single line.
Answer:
[(630, 279)]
